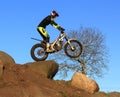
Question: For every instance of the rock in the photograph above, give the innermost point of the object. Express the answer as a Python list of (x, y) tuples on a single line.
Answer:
[(82, 82), (46, 68), (6, 59)]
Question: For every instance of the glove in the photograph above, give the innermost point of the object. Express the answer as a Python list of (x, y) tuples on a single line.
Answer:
[(61, 29)]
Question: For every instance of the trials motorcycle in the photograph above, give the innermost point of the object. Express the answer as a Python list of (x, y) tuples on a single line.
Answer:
[(72, 48)]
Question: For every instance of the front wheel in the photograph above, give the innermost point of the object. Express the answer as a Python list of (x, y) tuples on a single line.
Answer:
[(73, 48), (38, 53)]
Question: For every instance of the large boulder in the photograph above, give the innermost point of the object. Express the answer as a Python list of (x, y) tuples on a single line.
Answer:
[(45, 68), (82, 82), (6, 59)]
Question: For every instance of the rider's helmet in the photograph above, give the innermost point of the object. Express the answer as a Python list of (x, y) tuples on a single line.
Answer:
[(54, 14)]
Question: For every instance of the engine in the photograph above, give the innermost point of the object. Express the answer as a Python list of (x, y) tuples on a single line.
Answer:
[(57, 46)]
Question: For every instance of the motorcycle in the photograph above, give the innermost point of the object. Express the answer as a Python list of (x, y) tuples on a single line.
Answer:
[(72, 48)]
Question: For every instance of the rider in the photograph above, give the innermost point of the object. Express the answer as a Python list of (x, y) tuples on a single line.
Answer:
[(46, 21)]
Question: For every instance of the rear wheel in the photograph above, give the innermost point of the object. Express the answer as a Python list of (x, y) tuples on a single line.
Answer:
[(38, 52), (73, 48)]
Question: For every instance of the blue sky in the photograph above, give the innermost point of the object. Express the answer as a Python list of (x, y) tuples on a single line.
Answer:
[(19, 19)]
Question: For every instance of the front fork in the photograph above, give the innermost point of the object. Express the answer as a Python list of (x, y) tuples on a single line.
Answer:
[(71, 47)]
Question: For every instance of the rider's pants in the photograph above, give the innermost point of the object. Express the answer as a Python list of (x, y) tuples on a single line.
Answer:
[(43, 33)]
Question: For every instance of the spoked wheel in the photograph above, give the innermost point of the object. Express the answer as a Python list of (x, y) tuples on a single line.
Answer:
[(38, 53), (73, 49)]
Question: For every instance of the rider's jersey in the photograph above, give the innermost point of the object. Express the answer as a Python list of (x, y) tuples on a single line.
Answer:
[(48, 20)]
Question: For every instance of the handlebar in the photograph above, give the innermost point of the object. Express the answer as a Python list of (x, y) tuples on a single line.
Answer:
[(61, 29)]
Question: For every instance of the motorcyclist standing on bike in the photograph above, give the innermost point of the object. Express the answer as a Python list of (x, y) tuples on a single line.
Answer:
[(45, 22)]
